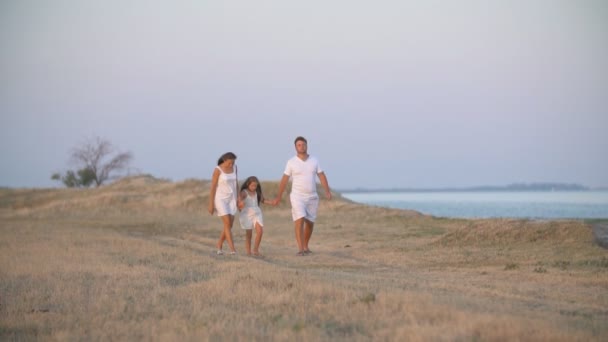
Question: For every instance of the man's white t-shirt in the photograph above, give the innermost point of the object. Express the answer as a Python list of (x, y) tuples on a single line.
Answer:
[(303, 173)]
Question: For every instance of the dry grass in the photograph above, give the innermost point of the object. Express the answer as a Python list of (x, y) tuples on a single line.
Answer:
[(134, 261)]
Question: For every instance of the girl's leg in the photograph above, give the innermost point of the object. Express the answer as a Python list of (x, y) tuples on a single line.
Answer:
[(248, 233), (228, 220), (259, 231)]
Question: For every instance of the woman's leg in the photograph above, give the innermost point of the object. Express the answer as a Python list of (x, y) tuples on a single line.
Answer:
[(220, 242), (228, 220)]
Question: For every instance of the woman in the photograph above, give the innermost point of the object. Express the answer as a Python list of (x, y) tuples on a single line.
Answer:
[(223, 197)]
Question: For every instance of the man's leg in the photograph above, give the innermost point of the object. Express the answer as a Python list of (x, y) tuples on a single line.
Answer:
[(299, 230), (298, 212), (309, 221), (308, 228)]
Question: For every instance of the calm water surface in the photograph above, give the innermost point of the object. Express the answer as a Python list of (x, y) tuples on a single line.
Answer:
[(535, 205)]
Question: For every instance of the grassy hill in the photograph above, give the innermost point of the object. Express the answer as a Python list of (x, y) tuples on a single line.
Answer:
[(139, 192), (135, 260)]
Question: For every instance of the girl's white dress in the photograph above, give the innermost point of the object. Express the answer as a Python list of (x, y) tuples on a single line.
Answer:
[(251, 212), (225, 195)]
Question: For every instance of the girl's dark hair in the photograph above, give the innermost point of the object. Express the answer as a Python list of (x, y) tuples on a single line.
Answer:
[(300, 139), (226, 156), (258, 190)]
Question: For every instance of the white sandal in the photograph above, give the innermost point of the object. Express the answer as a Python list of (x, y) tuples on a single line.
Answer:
[(219, 252)]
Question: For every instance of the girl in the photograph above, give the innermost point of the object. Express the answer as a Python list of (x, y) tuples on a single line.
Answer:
[(251, 214), (223, 197)]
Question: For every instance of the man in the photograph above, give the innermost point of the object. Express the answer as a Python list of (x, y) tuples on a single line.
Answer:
[(302, 169)]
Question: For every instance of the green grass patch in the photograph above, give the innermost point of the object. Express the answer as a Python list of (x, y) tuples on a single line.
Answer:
[(599, 263), (368, 298)]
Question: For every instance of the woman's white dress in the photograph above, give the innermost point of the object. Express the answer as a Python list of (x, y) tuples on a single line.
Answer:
[(225, 195)]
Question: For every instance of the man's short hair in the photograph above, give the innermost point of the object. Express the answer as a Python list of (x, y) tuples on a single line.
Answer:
[(300, 138)]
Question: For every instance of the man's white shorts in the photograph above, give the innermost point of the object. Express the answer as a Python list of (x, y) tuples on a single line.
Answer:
[(304, 207)]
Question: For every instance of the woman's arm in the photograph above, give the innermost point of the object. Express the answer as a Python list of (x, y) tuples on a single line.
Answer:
[(214, 179)]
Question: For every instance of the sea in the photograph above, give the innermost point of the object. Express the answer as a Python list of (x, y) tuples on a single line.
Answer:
[(493, 204)]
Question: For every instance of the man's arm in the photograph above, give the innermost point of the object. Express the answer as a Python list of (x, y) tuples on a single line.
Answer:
[(282, 186), (325, 184)]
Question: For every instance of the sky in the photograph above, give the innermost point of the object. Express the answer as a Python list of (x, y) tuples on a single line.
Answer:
[(411, 94)]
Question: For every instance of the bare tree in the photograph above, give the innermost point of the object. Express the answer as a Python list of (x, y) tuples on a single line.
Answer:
[(93, 166), (92, 155)]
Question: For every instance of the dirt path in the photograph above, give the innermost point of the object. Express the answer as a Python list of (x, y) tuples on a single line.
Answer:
[(473, 291)]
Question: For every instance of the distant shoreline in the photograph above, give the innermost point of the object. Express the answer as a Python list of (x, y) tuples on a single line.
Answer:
[(540, 187)]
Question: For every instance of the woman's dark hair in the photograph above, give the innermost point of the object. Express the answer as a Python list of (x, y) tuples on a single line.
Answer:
[(300, 139), (258, 190), (226, 156)]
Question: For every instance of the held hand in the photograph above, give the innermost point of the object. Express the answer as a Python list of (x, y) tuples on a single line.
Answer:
[(240, 204), (275, 201)]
